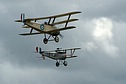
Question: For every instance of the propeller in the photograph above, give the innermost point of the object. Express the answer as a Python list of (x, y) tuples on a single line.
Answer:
[(61, 36)]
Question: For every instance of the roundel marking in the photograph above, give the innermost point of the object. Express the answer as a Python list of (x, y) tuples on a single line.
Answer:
[(42, 26)]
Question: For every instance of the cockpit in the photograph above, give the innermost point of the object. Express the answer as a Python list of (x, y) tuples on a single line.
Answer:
[(61, 52)]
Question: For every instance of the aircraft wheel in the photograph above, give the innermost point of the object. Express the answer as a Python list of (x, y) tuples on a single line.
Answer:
[(65, 63), (45, 40), (56, 39), (57, 64)]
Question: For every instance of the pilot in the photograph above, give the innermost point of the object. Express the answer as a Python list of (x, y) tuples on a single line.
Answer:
[(48, 24), (45, 23)]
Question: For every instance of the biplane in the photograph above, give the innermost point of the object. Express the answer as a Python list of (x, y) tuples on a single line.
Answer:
[(49, 27), (60, 55)]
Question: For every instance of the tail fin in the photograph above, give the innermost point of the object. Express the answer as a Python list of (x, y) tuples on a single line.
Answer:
[(38, 50), (22, 17)]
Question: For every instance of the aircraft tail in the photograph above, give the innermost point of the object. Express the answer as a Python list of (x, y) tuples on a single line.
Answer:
[(23, 17), (38, 50)]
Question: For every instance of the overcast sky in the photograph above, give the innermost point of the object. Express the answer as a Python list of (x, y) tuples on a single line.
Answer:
[(100, 33)]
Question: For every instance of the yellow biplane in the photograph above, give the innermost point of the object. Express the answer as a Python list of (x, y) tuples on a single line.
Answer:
[(49, 27)]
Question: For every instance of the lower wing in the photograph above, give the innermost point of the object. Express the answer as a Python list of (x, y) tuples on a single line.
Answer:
[(61, 29), (48, 32), (25, 34), (71, 56)]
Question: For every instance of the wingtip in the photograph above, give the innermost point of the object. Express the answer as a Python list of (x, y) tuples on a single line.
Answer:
[(22, 34), (78, 11), (71, 27)]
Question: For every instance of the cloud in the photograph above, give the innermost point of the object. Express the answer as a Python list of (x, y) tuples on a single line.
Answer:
[(103, 35), (99, 36), (89, 46), (3, 51), (3, 9), (14, 74)]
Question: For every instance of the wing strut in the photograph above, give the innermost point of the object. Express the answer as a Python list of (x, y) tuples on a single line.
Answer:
[(72, 52), (53, 20), (31, 30), (67, 19), (49, 20)]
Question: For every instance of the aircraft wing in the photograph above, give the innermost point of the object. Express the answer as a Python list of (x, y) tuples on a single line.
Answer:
[(55, 16), (65, 14), (72, 49), (26, 34), (61, 29), (61, 22), (42, 32), (71, 56)]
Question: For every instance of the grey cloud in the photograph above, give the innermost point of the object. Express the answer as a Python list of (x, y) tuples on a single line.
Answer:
[(99, 8)]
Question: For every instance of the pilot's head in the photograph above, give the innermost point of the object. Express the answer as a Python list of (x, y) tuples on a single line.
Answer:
[(45, 22)]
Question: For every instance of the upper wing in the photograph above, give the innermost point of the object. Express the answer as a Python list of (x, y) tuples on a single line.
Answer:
[(73, 49), (25, 34), (65, 14), (55, 16)]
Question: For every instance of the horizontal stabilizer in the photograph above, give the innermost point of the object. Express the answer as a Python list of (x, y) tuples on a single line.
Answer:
[(25, 26), (61, 22), (18, 20)]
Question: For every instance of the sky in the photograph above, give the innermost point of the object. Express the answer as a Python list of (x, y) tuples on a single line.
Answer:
[(100, 33)]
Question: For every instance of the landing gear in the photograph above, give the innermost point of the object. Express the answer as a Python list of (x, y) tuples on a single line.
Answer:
[(64, 63), (57, 64), (45, 40), (56, 39)]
